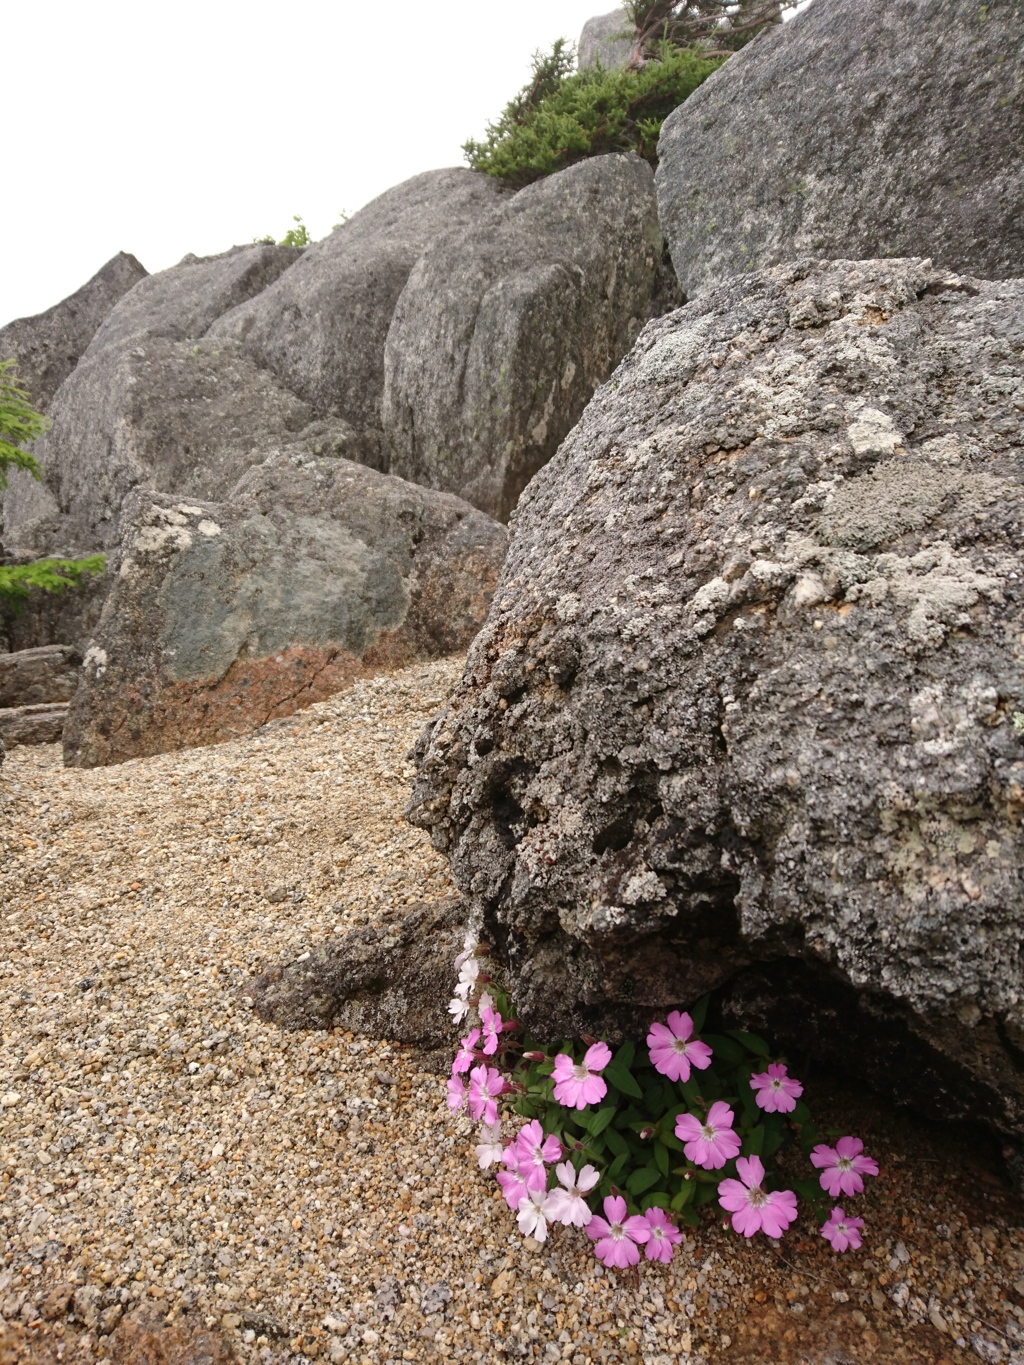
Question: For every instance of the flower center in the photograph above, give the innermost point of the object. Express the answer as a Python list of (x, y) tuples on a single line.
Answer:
[(775, 1085), (678, 1045), (757, 1196), (844, 1163), (709, 1133), (580, 1071), (618, 1232)]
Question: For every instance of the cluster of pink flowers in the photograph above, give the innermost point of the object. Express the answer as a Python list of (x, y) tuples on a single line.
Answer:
[(534, 1159)]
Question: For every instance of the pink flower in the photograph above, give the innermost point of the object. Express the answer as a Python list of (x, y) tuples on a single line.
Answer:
[(532, 1150), (842, 1166), (464, 1057), (777, 1092), (485, 1085), (752, 1209), (456, 1095), (512, 1181), (489, 1149), (577, 1083), (533, 1215), (618, 1238), (492, 1029), (673, 1049), (664, 1235), (841, 1231), (712, 1143), (566, 1203)]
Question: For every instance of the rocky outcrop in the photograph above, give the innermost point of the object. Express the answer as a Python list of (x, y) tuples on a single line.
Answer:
[(747, 712), (392, 982), (321, 327), (227, 614), (48, 346), (32, 676), (860, 128), (42, 724), (504, 331), (150, 400), (606, 41)]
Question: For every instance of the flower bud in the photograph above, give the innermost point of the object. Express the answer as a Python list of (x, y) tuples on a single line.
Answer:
[(589, 1039), (535, 1056), (646, 1133)]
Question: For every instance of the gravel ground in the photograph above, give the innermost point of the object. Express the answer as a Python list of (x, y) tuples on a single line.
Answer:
[(308, 1195)]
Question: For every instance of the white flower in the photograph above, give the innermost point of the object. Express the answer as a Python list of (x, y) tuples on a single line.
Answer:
[(533, 1215), (565, 1202), (470, 970), (462, 990), (490, 1149), (485, 1003), (469, 948), (458, 1009)]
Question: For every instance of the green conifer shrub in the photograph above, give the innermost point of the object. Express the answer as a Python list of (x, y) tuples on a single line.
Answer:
[(20, 425), (563, 116)]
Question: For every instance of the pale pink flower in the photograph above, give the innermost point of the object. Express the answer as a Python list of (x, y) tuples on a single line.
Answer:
[(489, 1150), (712, 1143), (492, 1029), (673, 1049), (458, 1009), (485, 1085), (469, 971), (777, 1091), (843, 1167), (533, 1215), (577, 1084), (456, 1095), (464, 1058), (842, 1232), (664, 1235), (752, 1208), (512, 1181), (566, 1203), (618, 1237), (533, 1150)]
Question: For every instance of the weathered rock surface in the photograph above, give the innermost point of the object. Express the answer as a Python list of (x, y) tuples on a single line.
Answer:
[(860, 128), (33, 676), (32, 724), (606, 41), (504, 331), (49, 345), (150, 400), (44, 618), (743, 715), (228, 614), (393, 983), (321, 327)]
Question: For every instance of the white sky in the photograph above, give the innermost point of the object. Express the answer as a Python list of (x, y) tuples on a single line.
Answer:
[(161, 128)]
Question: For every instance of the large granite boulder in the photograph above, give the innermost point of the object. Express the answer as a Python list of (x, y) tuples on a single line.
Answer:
[(860, 128), (48, 346), (224, 615), (149, 401), (30, 677), (747, 713), (504, 330), (606, 40), (321, 327)]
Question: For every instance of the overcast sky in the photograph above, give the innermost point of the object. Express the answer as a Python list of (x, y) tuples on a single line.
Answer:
[(163, 128)]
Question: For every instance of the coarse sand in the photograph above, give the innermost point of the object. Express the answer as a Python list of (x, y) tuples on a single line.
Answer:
[(309, 1196)]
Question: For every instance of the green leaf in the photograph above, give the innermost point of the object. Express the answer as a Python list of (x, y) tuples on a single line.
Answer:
[(751, 1042), (725, 1049), (616, 1142), (600, 1120), (617, 1166), (704, 1194), (808, 1189), (661, 1156), (643, 1179), (753, 1143), (620, 1077), (700, 1012), (684, 1197), (657, 1199), (625, 1055)]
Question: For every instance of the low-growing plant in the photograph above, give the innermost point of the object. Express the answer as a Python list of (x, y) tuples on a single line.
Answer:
[(651, 1134), (20, 425), (719, 27), (563, 116)]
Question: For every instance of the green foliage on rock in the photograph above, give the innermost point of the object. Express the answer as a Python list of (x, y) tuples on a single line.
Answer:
[(49, 575), (563, 116), (20, 425)]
